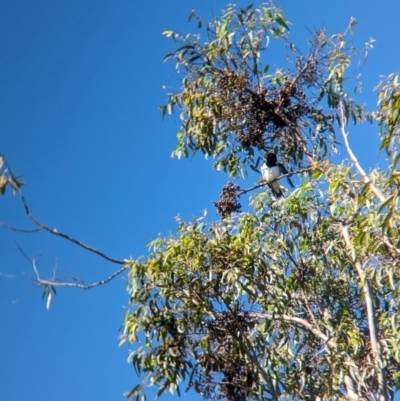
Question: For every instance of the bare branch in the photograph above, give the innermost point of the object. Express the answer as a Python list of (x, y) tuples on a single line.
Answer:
[(353, 158), (329, 342), (303, 170), (23, 252), (20, 230), (83, 286), (54, 231), (303, 322), (35, 270), (245, 191), (54, 283), (12, 276)]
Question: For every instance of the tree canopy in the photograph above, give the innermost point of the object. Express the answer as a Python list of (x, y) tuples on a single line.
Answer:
[(289, 299), (294, 298)]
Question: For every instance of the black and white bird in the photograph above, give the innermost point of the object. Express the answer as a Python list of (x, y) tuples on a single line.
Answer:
[(270, 171)]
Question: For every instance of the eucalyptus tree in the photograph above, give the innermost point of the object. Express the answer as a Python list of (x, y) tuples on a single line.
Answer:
[(289, 299), (293, 298)]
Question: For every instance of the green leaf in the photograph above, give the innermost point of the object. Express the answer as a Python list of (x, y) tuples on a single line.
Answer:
[(386, 202), (134, 391), (168, 33), (281, 21)]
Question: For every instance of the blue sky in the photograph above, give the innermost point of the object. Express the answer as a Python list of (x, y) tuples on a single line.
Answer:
[(80, 86)]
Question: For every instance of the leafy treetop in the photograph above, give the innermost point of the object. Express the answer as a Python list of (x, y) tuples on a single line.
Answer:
[(295, 299)]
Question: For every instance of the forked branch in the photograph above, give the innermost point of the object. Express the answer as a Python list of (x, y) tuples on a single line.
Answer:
[(54, 283)]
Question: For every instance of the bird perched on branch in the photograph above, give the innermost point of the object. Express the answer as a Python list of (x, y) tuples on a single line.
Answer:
[(271, 170)]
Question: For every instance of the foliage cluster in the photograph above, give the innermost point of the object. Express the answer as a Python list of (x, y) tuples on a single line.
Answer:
[(291, 299)]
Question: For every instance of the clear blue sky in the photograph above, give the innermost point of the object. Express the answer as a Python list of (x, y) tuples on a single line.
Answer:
[(80, 86)]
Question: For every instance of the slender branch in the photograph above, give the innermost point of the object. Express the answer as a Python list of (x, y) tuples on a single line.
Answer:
[(53, 231), (309, 310), (262, 184), (353, 158), (245, 191), (20, 230), (13, 276), (327, 339), (371, 315), (23, 252), (330, 342), (53, 283), (35, 270)]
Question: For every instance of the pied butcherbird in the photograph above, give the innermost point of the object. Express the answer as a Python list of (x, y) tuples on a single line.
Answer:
[(270, 171)]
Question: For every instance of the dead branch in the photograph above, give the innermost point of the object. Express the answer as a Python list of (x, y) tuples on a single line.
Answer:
[(54, 231), (20, 230), (53, 283)]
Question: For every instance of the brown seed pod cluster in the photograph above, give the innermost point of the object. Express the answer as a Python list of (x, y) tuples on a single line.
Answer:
[(262, 116), (228, 202)]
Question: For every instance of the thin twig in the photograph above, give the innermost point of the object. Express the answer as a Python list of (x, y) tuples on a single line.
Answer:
[(52, 283), (262, 184), (13, 276), (20, 230), (23, 252), (35, 270)]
